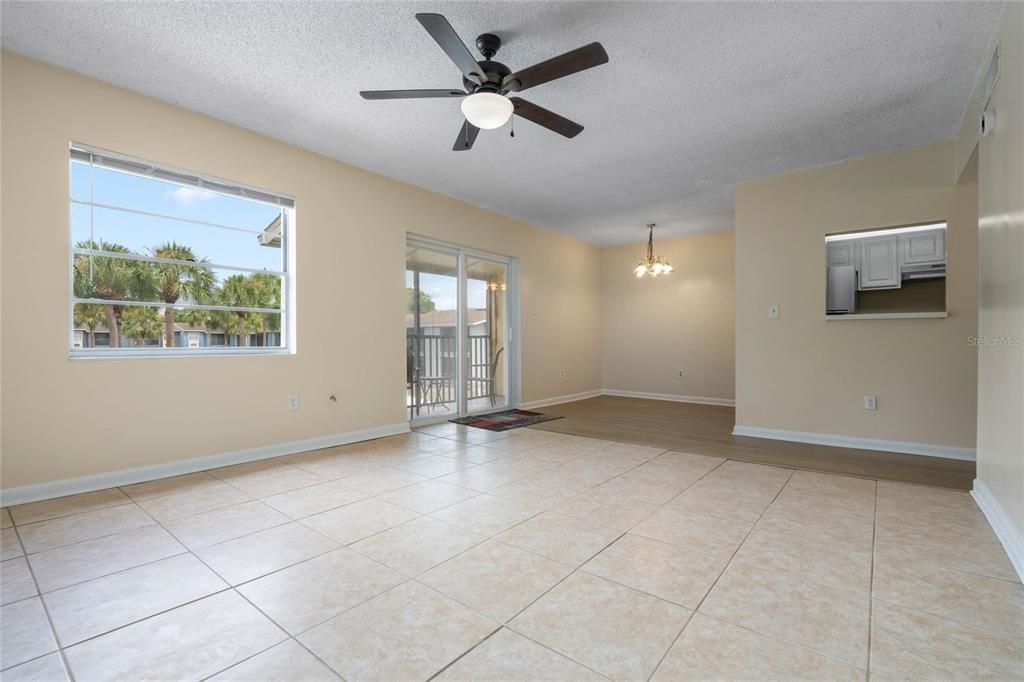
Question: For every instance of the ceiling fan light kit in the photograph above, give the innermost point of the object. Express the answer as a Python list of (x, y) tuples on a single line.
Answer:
[(486, 103), (651, 265), (487, 110)]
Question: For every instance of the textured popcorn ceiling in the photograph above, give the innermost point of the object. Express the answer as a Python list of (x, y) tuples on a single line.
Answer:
[(697, 96)]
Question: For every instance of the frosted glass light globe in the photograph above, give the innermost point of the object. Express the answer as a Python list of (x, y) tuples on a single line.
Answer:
[(487, 110)]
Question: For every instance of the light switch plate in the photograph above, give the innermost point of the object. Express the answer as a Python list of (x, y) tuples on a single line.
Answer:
[(773, 311)]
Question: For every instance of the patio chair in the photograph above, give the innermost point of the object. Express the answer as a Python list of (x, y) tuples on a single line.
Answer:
[(489, 381)]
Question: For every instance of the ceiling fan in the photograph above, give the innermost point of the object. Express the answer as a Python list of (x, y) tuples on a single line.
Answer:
[(486, 104)]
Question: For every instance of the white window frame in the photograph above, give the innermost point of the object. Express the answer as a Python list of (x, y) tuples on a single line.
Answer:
[(183, 178)]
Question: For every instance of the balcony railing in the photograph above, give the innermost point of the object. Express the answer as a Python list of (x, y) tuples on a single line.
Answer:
[(431, 374)]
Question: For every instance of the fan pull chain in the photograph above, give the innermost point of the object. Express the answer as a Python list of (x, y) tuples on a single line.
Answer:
[(465, 128), (512, 124)]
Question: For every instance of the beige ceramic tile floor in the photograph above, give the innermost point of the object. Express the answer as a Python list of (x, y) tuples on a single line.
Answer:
[(470, 555)]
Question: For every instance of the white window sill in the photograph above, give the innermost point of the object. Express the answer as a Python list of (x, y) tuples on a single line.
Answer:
[(888, 316), (174, 353)]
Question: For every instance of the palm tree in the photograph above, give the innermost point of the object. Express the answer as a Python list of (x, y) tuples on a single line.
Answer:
[(141, 323), (225, 321), (195, 317), (174, 281), (238, 291), (112, 279), (269, 291), (257, 290), (269, 322), (90, 316)]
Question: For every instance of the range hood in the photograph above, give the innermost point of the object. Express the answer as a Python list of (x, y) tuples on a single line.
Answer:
[(915, 272)]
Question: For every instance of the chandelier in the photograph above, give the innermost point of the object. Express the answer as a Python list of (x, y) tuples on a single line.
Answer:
[(650, 264)]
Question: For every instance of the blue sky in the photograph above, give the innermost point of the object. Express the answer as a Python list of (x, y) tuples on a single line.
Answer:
[(142, 233), (443, 291)]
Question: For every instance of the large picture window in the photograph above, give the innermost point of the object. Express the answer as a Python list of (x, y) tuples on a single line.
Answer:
[(168, 262)]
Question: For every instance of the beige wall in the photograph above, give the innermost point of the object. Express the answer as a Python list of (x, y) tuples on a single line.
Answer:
[(64, 419), (581, 309), (803, 373), (652, 328), (1001, 310)]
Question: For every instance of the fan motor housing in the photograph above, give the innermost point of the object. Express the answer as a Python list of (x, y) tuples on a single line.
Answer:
[(495, 72)]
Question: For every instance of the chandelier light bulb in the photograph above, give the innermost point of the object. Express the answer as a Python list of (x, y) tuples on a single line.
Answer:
[(651, 265)]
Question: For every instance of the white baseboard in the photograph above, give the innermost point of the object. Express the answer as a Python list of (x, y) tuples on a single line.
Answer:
[(1008, 534), (853, 442), (671, 397), (72, 486), (560, 399)]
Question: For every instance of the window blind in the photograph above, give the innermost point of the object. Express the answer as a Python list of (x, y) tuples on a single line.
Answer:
[(121, 163)]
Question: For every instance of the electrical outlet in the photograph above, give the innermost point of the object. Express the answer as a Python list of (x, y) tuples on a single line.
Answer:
[(773, 311), (293, 401), (679, 374), (870, 402), (561, 373)]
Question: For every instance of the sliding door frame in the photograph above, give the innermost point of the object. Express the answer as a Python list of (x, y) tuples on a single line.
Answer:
[(512, 338)]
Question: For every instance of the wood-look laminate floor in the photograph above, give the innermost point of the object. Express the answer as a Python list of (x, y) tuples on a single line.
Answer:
[(707, 430)]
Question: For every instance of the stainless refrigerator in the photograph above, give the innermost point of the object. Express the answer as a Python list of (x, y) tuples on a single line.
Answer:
[(842, 290)]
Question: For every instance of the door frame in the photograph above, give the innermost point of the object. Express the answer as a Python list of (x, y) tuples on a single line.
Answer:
[(513, 352)]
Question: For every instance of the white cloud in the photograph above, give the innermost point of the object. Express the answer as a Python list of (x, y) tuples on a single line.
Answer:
[(186, 196)]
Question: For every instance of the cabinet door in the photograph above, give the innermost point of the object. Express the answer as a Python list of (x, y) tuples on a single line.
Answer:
[(842, 253), (920, 248), (879, 263)]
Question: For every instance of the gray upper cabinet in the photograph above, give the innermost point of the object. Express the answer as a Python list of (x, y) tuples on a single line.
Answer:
[(923, 248), (879, 262), (844, 252)]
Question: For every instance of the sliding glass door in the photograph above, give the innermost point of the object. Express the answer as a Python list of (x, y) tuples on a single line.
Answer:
[(457, 332), (431, 342), (486, 325)]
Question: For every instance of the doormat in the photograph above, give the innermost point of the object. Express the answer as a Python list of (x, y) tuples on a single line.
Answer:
[(505, 420)]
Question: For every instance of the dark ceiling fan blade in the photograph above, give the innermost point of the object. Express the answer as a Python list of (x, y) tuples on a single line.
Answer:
[(442, 32), (577, 60), (466, 138), (545, 118), (409, 94)]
